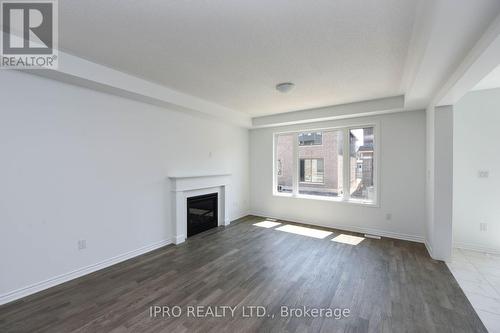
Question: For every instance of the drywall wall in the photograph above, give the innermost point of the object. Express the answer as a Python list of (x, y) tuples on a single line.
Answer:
[(475, 198), (429, 181), (442, 185), (77, 164), (402, 181)]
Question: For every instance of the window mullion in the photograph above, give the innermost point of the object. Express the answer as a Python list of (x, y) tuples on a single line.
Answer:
[(346, 166), (295, 179)]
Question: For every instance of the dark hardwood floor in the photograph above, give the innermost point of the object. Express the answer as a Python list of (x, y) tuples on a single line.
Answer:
[(388, 285)]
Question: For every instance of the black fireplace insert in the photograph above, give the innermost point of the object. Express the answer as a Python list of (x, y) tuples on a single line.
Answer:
[(201, 213)]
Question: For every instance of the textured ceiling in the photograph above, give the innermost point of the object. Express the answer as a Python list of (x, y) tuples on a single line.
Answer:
[(234, 52)]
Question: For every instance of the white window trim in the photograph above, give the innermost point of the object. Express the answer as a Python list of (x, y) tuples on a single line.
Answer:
[(345, 199)]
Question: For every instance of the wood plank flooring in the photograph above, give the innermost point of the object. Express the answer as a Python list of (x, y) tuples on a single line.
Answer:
[(388, 286)]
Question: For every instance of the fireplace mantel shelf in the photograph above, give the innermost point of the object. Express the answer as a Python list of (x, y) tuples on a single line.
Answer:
[(183, 183)]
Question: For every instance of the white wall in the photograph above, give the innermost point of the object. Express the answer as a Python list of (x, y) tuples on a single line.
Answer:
[(442, 206), (80, 164), (429, 182), (476, 147), (439, 181), (402, 167)]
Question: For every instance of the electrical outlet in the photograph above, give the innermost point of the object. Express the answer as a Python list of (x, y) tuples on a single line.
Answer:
[(483, 174), (82, 244), (388, 216), (483, 226)]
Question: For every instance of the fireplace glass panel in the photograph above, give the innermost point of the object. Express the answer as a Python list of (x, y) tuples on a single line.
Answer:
[(201, 213)]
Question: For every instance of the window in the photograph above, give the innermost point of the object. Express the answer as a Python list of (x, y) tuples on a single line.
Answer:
[(284, 163), (310, 138), (320, 166), (362, 186), (312, 164), (311, 170)]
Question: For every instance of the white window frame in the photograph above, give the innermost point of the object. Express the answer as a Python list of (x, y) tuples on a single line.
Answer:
[(346, 163)]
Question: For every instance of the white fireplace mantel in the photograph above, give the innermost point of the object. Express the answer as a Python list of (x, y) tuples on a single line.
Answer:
[(183, 187)]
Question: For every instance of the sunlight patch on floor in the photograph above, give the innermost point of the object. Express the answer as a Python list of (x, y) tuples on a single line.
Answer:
[(348, 239), (310, 232), (266, 224)]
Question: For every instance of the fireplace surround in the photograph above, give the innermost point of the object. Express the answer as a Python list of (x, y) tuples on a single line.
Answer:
[(184, 187)]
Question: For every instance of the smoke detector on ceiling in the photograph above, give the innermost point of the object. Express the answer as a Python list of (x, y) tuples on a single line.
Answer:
[(285, 87)]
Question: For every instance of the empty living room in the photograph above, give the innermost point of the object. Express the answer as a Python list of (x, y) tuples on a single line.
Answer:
[(249, 166)]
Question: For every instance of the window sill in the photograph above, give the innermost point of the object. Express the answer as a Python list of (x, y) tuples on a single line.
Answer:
[(325, 198)]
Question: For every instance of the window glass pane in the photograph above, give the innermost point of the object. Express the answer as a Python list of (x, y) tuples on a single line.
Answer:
[(361, 164), (310, 138), (320, 163), (284, 163), (317, 171)]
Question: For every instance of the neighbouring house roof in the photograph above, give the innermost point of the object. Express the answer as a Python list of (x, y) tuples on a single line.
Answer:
[(366, 148)]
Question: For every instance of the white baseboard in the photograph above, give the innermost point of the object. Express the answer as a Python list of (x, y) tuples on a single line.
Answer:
[(178, 239), (39, 286), (361, 230), (36, 287), (429, 248), (476, 248), (237, 217)]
